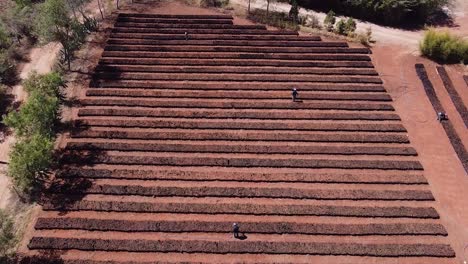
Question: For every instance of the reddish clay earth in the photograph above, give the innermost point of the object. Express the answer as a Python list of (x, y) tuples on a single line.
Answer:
[(177, 139)]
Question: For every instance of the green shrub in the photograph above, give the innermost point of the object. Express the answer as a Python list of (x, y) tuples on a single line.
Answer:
[(350, 27), (340, 27), (444, 47), (214, 3), (38, 115), (330, 20), (49, 84), (30, 159), (7, 235)]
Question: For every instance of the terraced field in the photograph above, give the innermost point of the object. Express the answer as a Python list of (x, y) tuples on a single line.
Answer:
[(181, 135)]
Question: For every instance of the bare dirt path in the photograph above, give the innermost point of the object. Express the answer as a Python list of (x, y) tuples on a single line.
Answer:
[(41, 60), (389, 35)]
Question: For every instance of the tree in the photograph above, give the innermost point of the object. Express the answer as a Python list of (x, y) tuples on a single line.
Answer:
[(294, 12), (29, 161), (54, 24), (248, 8), (330, 20)]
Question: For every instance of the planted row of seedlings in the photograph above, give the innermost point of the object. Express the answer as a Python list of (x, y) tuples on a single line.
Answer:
[(203, 31), (452, 134), (246, 192), (224, 247), (234, 49), (175, 38), (237, 104), (93, 224), (237, 175), (239, 160), (245, 148), (244, 86), (242, 95), (332, 62), (456, 99), (187, 26), (224, 70), (238, 113), (240, 135), (236, 55), (239, 124), (199, 206)]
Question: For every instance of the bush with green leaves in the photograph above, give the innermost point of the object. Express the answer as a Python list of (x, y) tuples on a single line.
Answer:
[(30, 160), (34, 125), (340, 27), (444, 47), (7, 234), (350, 27), (330, 20)]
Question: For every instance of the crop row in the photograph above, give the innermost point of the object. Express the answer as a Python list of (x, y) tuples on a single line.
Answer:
[(243, 70), (220, 37), (188, 17), (241, 135), (248, 227), (146, 40), (248, 192), (176, 159), (246, 95), (233, 104), (193, 48), (248, 86), (452, 134), (187, 26), (204, 31), (174, 20), (224, 247), (236, 55), (241, 124), (251, 176), (456, 99), (247, 209), (244, 148), (237, 62), (241, 114)]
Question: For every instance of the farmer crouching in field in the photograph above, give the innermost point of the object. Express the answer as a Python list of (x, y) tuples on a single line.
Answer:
[(295, 94)]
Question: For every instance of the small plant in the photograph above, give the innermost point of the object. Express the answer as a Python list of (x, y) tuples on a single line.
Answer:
[(444, 47), (340, 27), (350, 27), (329, 21)]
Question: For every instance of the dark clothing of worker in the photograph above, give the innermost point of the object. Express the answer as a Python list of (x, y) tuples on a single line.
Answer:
[(295, 94), (235, 230), (441, 116)]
